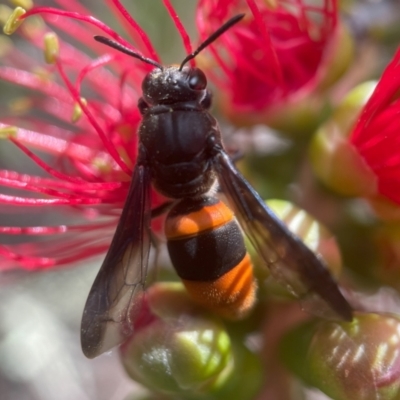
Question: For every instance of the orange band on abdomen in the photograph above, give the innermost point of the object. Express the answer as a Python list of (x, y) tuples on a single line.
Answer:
[(231, 296), (206, 218)]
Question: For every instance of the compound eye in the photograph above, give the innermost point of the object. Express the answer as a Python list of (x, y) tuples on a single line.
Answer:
[(197, 79)]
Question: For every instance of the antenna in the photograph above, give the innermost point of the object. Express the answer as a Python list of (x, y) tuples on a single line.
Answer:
[(126, 50), (212, 37)]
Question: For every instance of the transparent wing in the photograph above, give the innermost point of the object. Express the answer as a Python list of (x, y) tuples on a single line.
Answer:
[(116, 292), (290, 261)]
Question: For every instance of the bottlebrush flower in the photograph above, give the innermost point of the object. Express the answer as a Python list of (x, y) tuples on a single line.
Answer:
[(79, 126), (276, 56), (357, 151)]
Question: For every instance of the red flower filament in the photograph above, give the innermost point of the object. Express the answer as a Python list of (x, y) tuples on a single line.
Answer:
[(275, 54)]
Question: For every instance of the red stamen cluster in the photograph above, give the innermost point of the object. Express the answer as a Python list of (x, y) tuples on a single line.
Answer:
[(87, 164), (276, 53), (376, 134)]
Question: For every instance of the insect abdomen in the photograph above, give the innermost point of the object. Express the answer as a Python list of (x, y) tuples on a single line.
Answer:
[(207, 250)]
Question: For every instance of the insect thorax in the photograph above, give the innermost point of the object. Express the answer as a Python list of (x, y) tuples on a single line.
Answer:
[(177, 144)]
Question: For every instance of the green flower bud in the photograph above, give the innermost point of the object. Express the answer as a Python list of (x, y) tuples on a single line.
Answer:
[(180, 351), (316, 236), (347, 111), (335, 161), (177, 355), (347, 361), (184, 354)]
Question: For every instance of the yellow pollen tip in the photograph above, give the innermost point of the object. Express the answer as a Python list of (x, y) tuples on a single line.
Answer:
[(77, 110), (51, 47), (26, 4), (13, 21), (8, 131)]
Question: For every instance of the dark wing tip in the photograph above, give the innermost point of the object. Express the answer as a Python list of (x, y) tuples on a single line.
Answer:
[(91, 335)]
